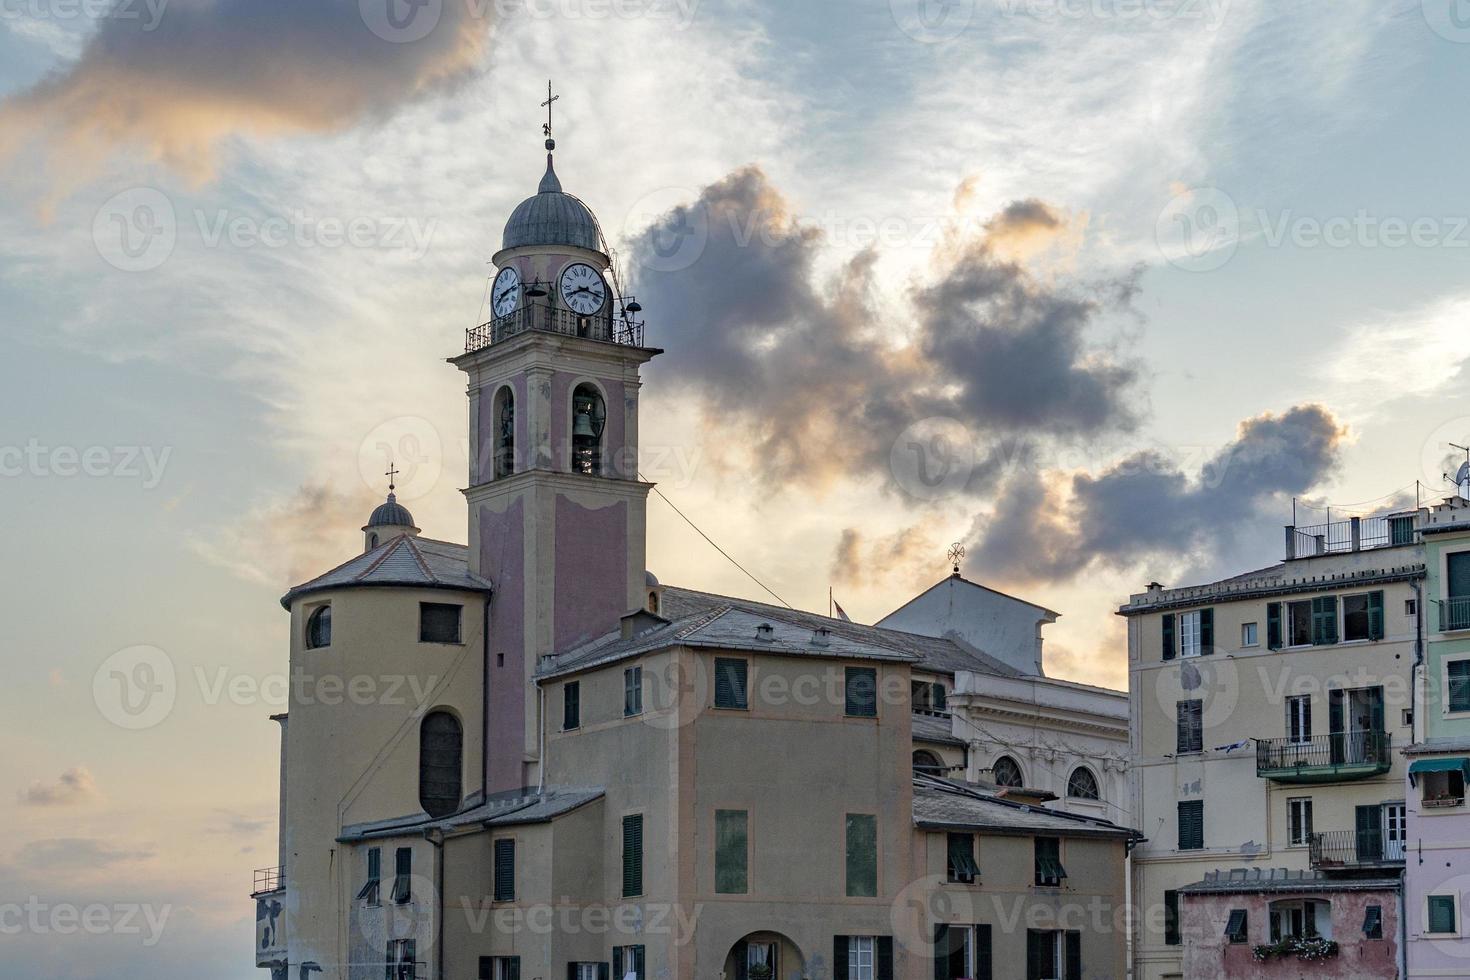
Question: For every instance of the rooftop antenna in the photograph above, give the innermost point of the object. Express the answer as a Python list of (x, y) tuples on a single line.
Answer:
[(1462, 476), (956, 554)]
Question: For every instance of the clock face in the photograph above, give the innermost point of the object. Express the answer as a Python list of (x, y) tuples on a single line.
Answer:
[(505, 295), (582, 288)]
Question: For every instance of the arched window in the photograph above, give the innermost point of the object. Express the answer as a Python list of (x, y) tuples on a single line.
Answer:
[(441, 752), (505, 433), (589, 417), (928, 763), (372, 541), (319, 628), (653, 602), (1007, 772), (1082, 784)]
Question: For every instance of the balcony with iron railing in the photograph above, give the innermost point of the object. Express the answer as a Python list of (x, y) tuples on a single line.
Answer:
[(1324, 758), (1351, 849), (1454, 613), (619, 328), (269, 880), (1345, 537)]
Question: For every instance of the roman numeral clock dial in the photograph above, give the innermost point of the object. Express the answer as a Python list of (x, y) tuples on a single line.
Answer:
[(583, 289)]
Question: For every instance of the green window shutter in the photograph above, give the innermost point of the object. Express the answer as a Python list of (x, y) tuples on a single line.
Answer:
[(602, 972), (742, 960), (1171, 918), (731, 683), (1442, 913), (1373, 922), (1458, 672), (883, 955), (1036, 965), (1191, 825), (487, 968), (1171, 647), (505, 870), (1206, 631), (839, 958), (1368, 824), (961, 858), (633, 855), (942, 952), (618, 962), (512, 968), (1074, 954), (1273, 626), (862, 855), (640, 963), (402, 875), (941, 699), (1189, 726), (1324, 620), (982, 953), (1375, 615), (732, 849), (861, 692)]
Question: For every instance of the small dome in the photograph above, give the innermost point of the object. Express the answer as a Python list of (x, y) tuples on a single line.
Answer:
[(552, 217), (391, 514), (650, 580)]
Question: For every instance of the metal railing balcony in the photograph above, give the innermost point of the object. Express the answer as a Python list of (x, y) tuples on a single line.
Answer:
[(1353, 534), (1454, 613), (545, 318), (1350, 849), (269, 880), (1324, 758)]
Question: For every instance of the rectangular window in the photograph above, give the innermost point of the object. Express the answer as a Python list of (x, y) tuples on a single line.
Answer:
[(401, 960), (373, 885), (1362, 616), (1189, 640), (571, 705), (861, 692), (1299, 718), (1299, 623), (732, 852), (730, 683), (587, 971), (402, 875), (1171, 918), (1248, 635), (1047, 855), (1189, 730), (1457, 674), (861, 958), (1298, 821), (505, 870), (961, 864), (439, 622), (940, 700), (1170, 637), (632, 692), (632, 855), (1442, 915), (1236, 930), (1442, 789), (500, 968), (628, 961), (862, 855), (1373, 922), (1191, 825), (920, 695), (1052, 954)]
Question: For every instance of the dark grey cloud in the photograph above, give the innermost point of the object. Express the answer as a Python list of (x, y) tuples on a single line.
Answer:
[(808, 374), (75, 786), (173, 77), (1145, 507), (74, 853)]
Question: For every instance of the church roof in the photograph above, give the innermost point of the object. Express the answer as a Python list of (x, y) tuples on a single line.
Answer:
[(400, 561), (703, 619), (935, 728), (552, 217)]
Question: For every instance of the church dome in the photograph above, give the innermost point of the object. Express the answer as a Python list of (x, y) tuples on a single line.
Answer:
[(390, 514), (552, 217)]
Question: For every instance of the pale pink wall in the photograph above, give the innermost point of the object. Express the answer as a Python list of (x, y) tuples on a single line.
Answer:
[(1207, 955), (591, 570), (502, 558)]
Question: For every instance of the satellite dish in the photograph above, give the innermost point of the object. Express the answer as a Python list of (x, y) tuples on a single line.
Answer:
[(1462, 480)]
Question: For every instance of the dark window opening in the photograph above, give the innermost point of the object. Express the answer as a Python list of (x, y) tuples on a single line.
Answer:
[(1235, 929), (441, 763), (319, 628), (372, 887), (589, 418), (439, 622), (1082, 784), (1373, 922), (571, 705), (402, 875), (961, 865), (926, 763), (861, 692), (1006, 772), (505, 436), (1048, 855)]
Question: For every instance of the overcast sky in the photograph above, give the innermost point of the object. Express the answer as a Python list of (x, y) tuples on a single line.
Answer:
[(1094, 287)]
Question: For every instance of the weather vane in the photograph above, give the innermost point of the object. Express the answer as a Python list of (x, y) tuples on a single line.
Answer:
[(547, 106), (956, 554), (391, 474)]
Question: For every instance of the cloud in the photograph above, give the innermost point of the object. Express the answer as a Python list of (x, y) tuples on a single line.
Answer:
[(1145, 507), (238, 825), (74, 853), (73, 787), (173, 79), (817, 378), (905, 557)]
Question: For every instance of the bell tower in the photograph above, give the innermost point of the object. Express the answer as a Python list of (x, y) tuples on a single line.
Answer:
[(556, 509)]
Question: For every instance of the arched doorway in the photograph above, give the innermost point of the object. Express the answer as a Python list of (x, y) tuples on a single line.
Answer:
[(765, 956)]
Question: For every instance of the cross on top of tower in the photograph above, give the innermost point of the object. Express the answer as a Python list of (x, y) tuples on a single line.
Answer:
[(956, 554), (546, 128), (392, 474)]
